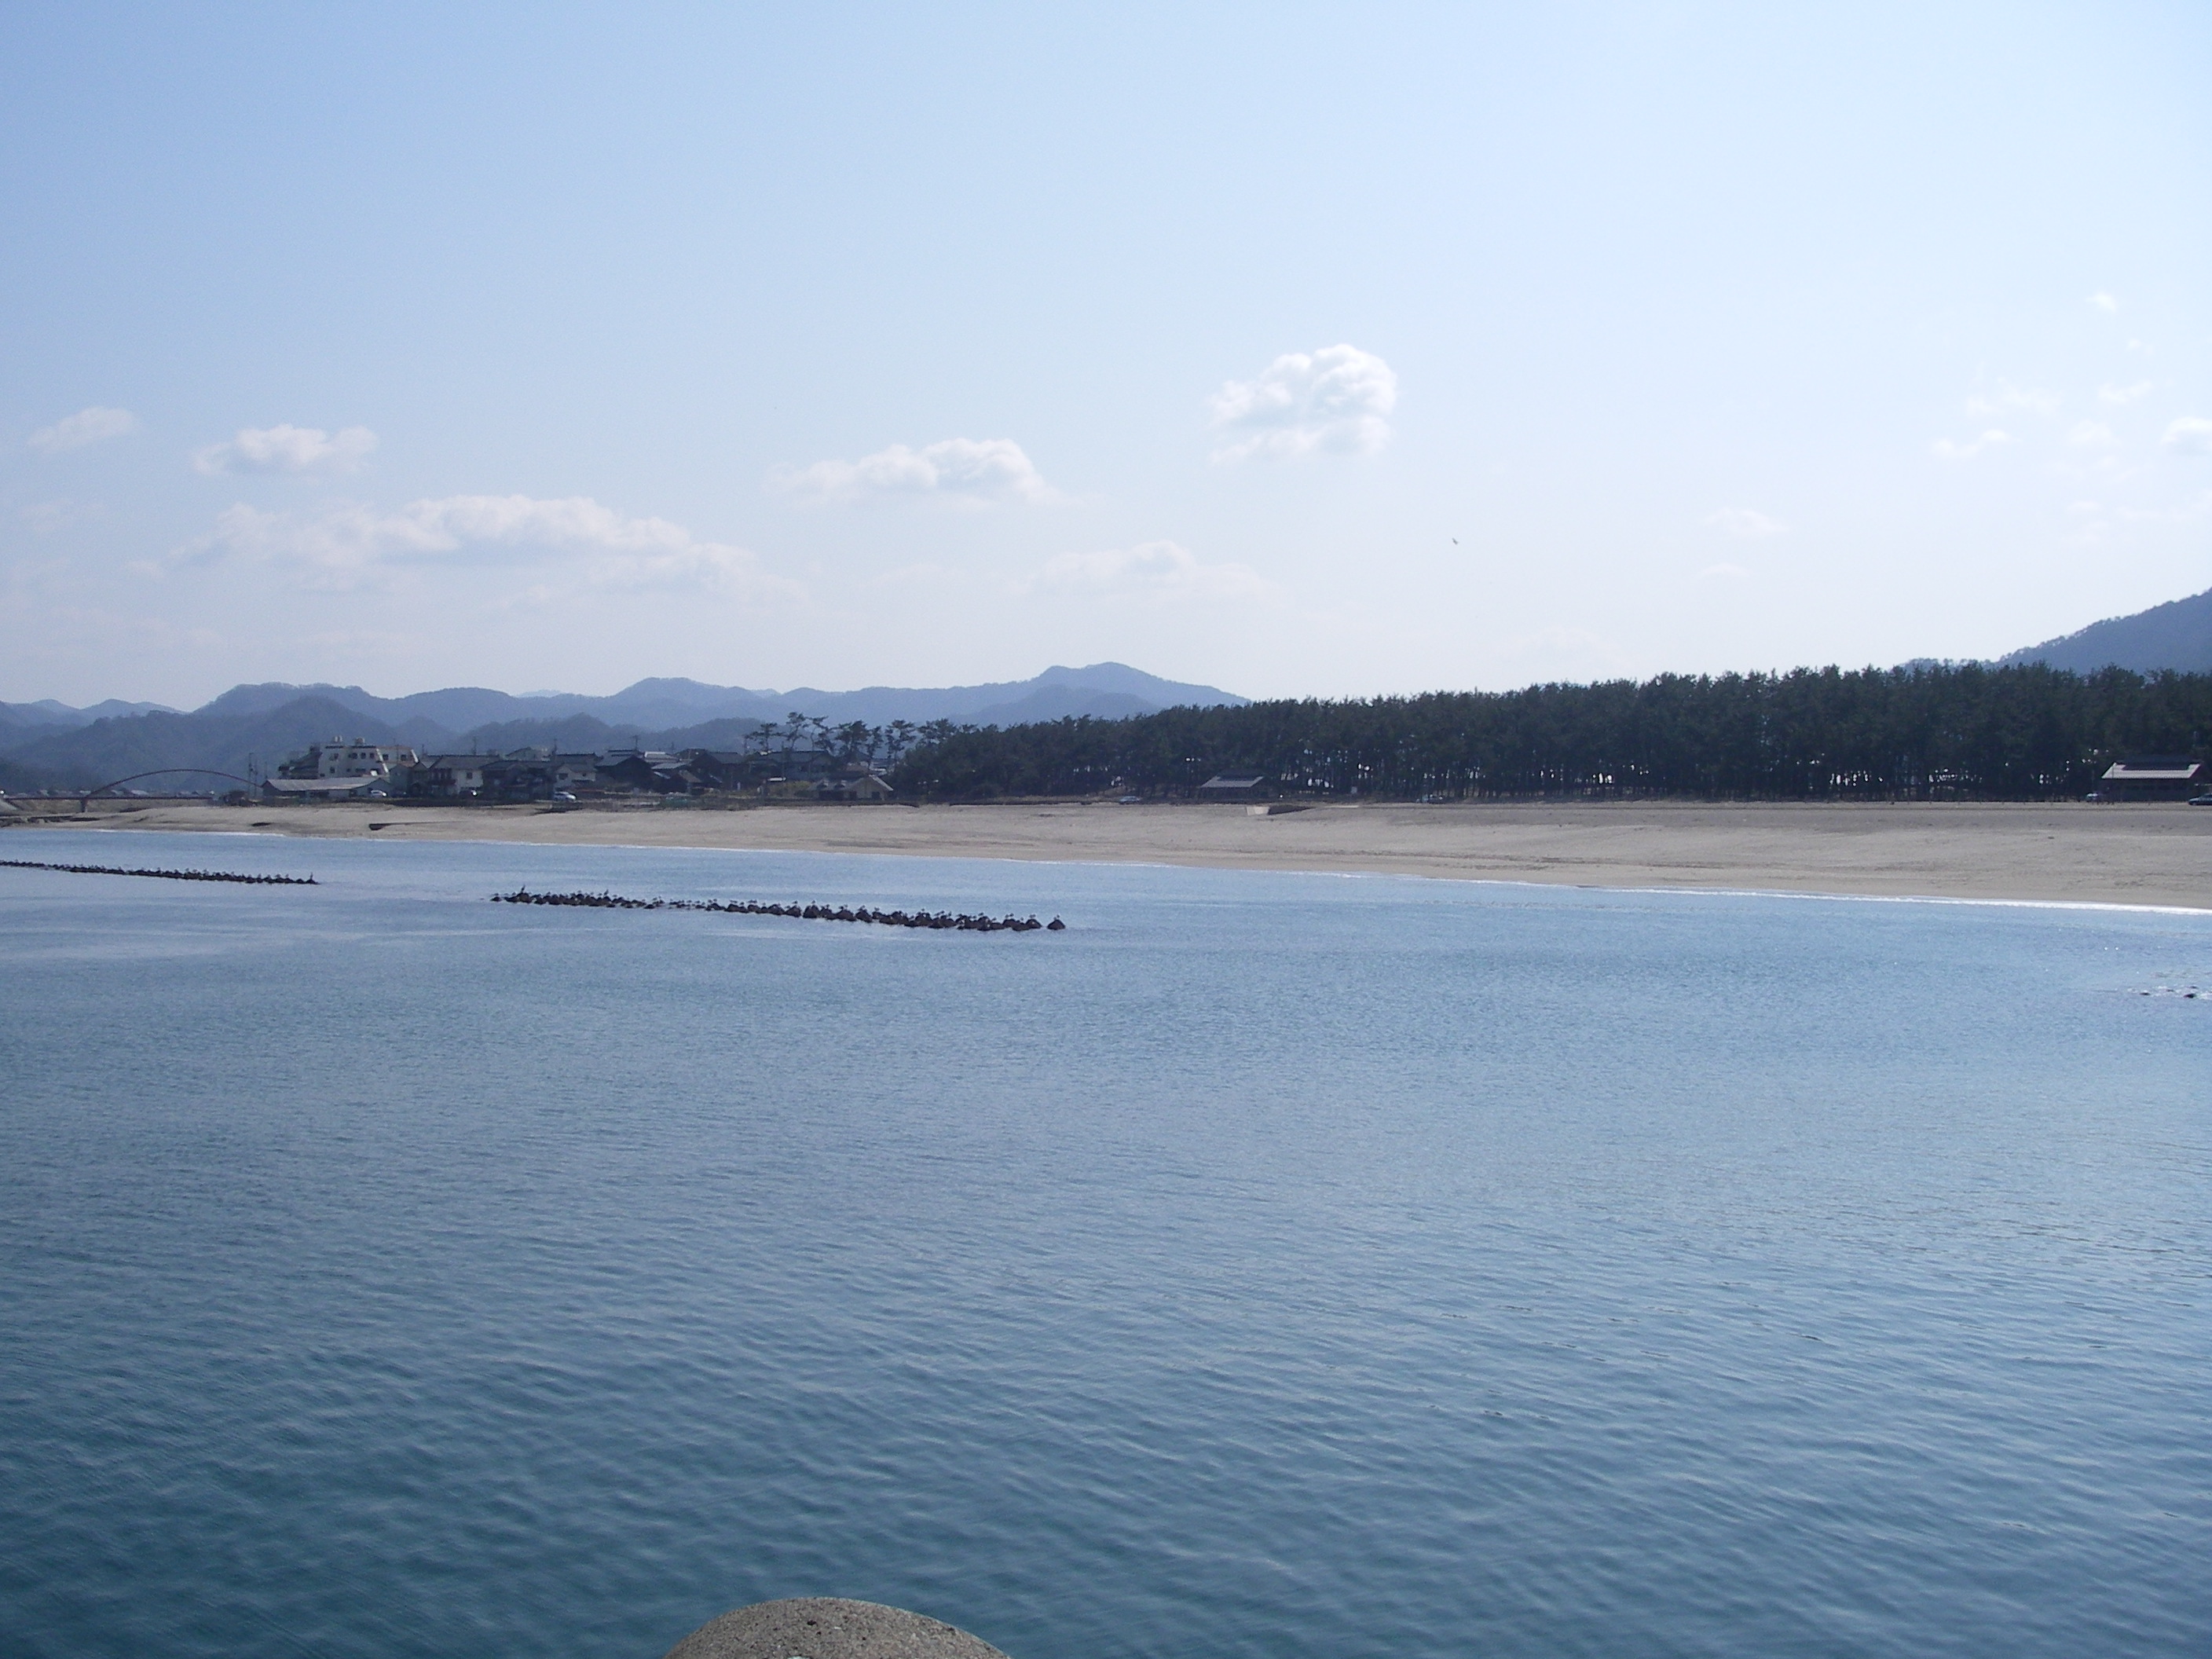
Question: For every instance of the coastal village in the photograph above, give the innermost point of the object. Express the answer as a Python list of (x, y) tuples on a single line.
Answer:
[(351, 768)]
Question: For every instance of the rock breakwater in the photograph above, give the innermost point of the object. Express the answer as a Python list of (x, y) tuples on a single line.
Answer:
[(163, 875), (932, 918)]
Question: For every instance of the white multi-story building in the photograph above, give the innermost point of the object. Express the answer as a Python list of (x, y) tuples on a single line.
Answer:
[(350, 757), (341, 765)]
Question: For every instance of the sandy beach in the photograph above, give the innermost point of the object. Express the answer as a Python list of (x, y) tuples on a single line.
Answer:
[(2132, 854)]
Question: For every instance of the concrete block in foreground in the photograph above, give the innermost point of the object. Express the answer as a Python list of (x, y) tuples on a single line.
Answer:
[(828, 1627)]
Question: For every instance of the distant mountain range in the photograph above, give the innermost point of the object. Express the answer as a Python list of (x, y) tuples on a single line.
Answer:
[(2176, 636), (49, 745), (47, 715), (1105, 689)]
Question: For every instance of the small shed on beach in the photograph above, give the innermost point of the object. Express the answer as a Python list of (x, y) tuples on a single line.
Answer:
[(326, 788), (856, 783), (2152, 777)]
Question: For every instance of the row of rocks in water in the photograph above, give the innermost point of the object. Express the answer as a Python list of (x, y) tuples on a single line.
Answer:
[(164, 875), (801, 912)]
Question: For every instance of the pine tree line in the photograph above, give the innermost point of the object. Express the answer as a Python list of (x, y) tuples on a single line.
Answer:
[(1923, 733)]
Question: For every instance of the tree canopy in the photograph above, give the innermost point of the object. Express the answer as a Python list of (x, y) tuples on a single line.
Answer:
[(1964, 731)]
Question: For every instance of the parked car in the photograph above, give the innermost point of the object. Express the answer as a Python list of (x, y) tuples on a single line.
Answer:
[(2200, 801)]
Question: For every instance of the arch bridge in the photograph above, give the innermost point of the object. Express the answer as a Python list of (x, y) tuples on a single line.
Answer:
[(84, 796)]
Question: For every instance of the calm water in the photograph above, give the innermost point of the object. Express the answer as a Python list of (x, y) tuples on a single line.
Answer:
[(1269, 1265)]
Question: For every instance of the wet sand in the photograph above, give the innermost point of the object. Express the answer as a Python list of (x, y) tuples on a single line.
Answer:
[(2132, 854)]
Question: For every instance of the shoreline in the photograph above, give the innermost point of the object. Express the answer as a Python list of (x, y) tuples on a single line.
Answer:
[(2139, 855)]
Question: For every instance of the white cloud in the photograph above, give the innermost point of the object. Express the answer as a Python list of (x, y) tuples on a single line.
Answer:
[(2092, 434), (1328, 402), (599, 546), (287, 449), (2008, 396), (1722, 572), (2189, 435), (2186, 512), (972, 470), (1744, 522), (1993, 439), (45, 518), (87, 426), (2122, 394), (2104, 302), (1160, 570)]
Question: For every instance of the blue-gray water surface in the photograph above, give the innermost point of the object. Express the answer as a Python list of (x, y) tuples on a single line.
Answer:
[(1269, 1265)]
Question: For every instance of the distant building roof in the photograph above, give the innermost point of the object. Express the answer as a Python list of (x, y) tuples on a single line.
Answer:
[(1227, 782), (325, 786), (2154, 768)]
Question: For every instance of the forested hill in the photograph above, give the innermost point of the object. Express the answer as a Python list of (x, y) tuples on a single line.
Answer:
[(1968, 731), (2177, 635)]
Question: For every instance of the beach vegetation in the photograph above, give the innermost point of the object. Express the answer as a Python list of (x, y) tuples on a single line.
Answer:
[(1928, 732)]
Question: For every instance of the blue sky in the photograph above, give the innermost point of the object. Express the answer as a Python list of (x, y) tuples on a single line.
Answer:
[(1294, 349)]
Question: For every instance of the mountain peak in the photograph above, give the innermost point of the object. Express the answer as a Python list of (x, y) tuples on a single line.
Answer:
[(265, 719), (2177, 634)]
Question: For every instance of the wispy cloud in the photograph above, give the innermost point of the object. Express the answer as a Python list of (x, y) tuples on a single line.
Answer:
[(45, 518), (2092, 434), (1722, 572), (1333, 401), (969, 470), (1947, 449), (287, 449), (1158, 570), (2104, 302), (2007, 396), (87, 426), (344, 544), (2184, 512), (2122, 394), (2191, 434), (1745, 523)]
